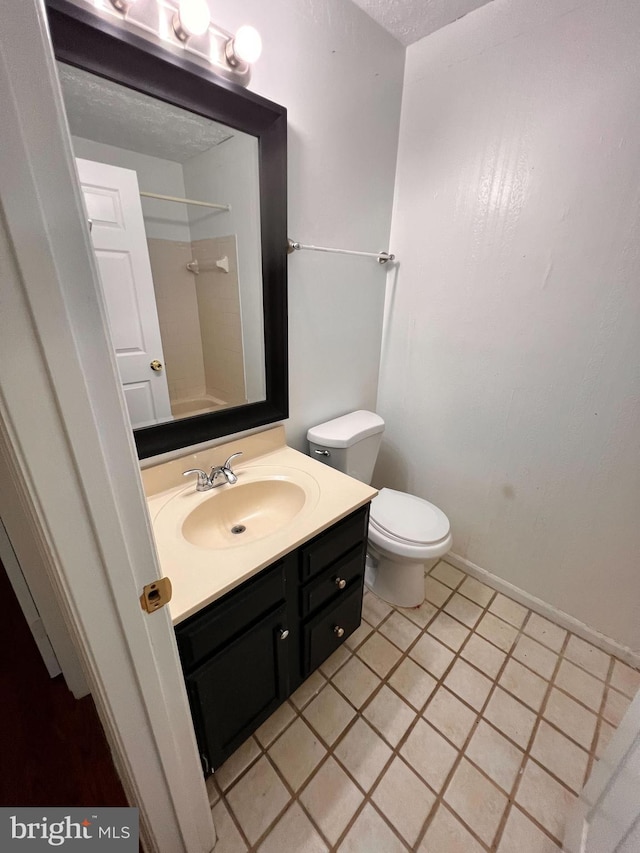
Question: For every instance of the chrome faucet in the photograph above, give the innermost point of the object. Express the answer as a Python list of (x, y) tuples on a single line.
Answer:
[(208, 481)]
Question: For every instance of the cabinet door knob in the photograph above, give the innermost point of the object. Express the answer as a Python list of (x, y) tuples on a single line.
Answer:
[(341, 583), (338, 631), (283, 633)]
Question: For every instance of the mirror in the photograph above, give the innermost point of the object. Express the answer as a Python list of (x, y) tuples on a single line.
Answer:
[(183, 177)]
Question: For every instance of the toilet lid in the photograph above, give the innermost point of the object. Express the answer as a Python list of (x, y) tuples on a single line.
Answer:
[(408, 518)]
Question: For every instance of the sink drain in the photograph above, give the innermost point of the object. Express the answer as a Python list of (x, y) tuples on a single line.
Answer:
[(238, 528)]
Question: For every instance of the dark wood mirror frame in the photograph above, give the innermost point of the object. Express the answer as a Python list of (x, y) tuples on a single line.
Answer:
[(91, 43)]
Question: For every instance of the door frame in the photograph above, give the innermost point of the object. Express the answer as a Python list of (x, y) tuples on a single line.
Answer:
[(65, 438)]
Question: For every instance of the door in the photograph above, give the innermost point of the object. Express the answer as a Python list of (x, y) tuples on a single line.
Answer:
[(112, 198), (606, 817)]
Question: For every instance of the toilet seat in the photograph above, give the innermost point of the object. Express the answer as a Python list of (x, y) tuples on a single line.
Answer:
[(408, 526)]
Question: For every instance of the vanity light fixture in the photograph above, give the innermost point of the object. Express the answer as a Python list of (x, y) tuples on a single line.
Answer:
[(122, 5), (191, 19), (244, 47)]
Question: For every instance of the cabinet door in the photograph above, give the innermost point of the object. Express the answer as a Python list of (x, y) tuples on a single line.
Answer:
[(237, 689)]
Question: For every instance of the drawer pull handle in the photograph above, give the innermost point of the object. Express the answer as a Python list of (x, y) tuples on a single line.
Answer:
[(338, 631), (341, 583), (283, 633)]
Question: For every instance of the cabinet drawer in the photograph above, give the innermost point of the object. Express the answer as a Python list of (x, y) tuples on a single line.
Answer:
[(320, 637), (203, 634), (330, 546), (334, 582)]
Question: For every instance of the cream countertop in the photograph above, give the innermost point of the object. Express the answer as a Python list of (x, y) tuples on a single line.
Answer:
[(202, 575)]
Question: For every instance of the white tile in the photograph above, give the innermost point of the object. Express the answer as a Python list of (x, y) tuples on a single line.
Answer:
[(335, 661), (494, 754), (389, 715), (431, 655), (497, 631), (228, 772), (523, 835), (356, 681), (429, 754), (449, 631), (543, 798), (580, 685), (545, 632), (588, 657), (436, 592), (257, 799), (363, 752), (272, 727), (308, 689), (297, 753), (447, 574), (526, 685), (370, 834), (399, 630), (403, 799), (483, 655), (379, 654), (329, 714), (450, 716), (213, 792), (229, 839), (374, 609), (295, 832), (421, 615), (476, 591), (560, 756), (536, 656), (615, 707), (413, 683), (447, 835), (604, 736), (508, 610), (510, 717), (479, 803), (332, 799), (468, 684), (625, 679), (359, 635), (463, 610), (568, 715)]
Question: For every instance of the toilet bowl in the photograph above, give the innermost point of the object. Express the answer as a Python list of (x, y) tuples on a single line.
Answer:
[(407, 534)]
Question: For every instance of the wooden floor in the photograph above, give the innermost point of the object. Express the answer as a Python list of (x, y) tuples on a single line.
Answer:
[(52, 746)]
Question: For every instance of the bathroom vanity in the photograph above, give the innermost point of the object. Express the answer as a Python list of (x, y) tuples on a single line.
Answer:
[(255, 617)]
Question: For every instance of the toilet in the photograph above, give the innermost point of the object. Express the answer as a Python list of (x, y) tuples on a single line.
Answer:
[(407, 534)]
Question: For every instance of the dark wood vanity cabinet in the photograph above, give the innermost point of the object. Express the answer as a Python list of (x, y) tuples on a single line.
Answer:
[(245, 653)]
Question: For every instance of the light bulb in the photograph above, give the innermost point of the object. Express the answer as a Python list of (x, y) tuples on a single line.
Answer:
[(191, 19), (245, 46)]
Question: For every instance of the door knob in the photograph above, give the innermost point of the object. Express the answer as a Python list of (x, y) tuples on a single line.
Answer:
[(156, 365), (338, 631), (341, 583), (283, 633)]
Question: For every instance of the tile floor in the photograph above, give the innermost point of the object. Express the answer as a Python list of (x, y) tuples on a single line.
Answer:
[(468, 724)]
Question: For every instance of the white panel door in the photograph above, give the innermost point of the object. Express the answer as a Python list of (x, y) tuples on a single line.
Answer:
[(112, 199), (606, 817)]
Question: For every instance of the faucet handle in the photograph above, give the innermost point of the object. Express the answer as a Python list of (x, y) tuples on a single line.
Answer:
[(203, 483), (227, 464)]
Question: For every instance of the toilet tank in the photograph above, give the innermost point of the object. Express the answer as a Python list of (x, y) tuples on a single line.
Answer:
[(349, 443)]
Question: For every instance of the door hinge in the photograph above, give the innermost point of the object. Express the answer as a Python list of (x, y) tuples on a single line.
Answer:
[(155, 595)]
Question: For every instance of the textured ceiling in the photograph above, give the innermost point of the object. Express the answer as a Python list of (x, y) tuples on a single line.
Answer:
[(106, 112), (411, 20)]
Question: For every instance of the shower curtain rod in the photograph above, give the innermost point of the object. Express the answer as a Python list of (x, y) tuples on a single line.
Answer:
[(382, 257), (186, 201)]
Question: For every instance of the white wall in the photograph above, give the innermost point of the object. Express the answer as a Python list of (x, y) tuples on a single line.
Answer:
[(340, 77), (163, 220), (509, 376)]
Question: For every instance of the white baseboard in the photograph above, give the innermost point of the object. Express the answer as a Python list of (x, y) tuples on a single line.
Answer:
[(561, 618)]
